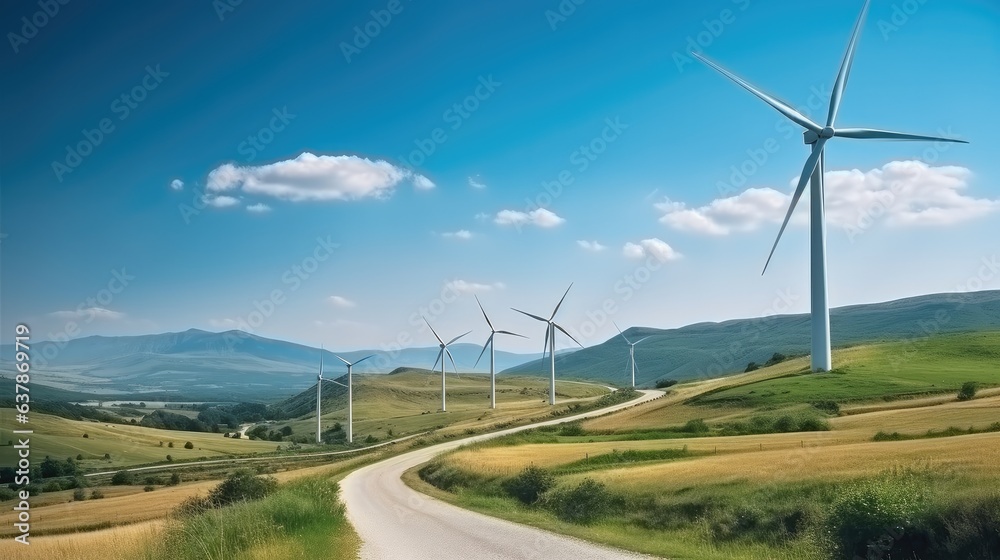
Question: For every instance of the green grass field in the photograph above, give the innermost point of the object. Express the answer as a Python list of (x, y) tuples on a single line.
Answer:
[(631, 480)]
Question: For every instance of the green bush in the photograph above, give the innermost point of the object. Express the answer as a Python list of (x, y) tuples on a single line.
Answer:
[(696, 426), (148, 488), (529, 485), (581, 504), (122, 478), (968, 391), (7, 494), (96, 494), (752, 366), (175, 479), (447, 477), (572, 429), (664, 383), (189, 445), (79, 495), (872, 516), (52, 486), (242, 485)]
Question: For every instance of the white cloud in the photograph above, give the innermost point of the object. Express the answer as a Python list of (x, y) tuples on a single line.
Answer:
[(476, 183), (341, 302), (89, 313), (482, 216), (902, 193), (460, 234), (541, 217), (223, 201), (591, 245), (472, 287), (258, 208), (177, 185), (655, 247), (309, 177)]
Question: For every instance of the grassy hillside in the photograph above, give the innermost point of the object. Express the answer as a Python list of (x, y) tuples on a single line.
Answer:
[(712, 349), (675, 477)]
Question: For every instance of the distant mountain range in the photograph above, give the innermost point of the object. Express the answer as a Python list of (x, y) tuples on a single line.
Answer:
[(714, 349), (234, 365), (201, 365)]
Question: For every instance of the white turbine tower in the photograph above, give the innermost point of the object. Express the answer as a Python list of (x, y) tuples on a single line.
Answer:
[(817, 136), (319, 395), (350, 395), (490, 343), (550, 342), (631, 350), (441, 353)]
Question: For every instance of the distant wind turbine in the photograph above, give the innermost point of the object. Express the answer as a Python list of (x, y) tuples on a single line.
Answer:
[(490, 343), (817, 136), (319, 395), (350, 395), (550, 342), (631, 350), (441, 353)]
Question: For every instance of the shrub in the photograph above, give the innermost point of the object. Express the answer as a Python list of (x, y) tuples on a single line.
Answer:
[(371, 439), (968, 391), (121, 478), (169, 458), (79, 457), (79, 495), (170, 444), (148, 488), (873, 515), (777, 358), (86, 436), (829, 407), (96, 494), (572, 429), (530, 484), (696, 426), (175, 479), (581, 504), (752, 366), (52, 486), (7, 494), (107, 456), (242, 485), (189, 445), (664, 383)]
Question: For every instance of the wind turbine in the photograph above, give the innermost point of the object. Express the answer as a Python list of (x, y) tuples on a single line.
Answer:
[(444, 350), (817, 136), (319, 395), (550, 342), (631, 350), (489, 342), (350, 396)]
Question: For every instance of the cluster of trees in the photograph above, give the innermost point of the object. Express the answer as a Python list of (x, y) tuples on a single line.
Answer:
[(173, 421), (777, 358), (262, 432)]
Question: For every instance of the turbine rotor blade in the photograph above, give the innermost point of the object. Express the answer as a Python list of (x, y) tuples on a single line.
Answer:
[(845, 68), (782, 107), (457, 337), (548, 329), (452, 358), (434, 367), (620, 332), (556, 310), (530, 315), (362, 359), (567, 334), (510, 333), (432, 330), (807, 172), (641, 339), (488, 341), (487, 317), (345, 361), (875, 134)]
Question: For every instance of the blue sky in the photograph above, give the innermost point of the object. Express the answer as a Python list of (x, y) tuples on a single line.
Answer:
[(421, 146)]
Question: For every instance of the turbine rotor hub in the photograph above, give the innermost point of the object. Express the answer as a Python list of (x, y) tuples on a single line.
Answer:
[(827, 132)]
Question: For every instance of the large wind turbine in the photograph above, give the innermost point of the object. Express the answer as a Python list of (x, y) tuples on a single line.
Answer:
[(631, 350), (441, 353), (493, 364), (817, 136), (550, 342), (350, 396), (319, 395)]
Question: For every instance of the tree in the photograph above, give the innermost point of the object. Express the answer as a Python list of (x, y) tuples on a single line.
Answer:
[(170, 444), (175, 479), (122, 478), (169, 458), (752, 366), (968, 391), (189, 445), (79, 457), (286, 431), (51, 467)]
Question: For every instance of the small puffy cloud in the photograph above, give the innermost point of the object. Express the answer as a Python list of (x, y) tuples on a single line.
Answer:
[(342, 302), (309, 178), (540, 217), (656, 248), (464, 287), (476, 183), (482, 216), (592, 246), (89, 314), (258, 208), (902, 193), (177, 185), (223, 201), (463, 234)]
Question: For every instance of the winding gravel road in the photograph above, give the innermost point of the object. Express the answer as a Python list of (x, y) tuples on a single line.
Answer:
[(397, 522)]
